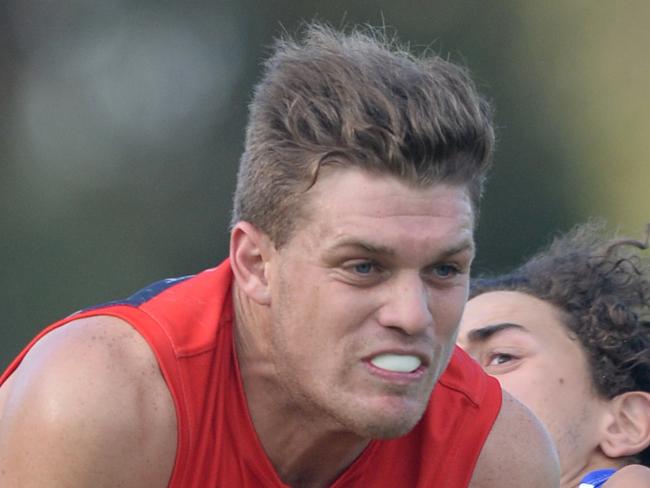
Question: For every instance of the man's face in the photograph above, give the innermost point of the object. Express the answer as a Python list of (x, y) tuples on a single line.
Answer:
[(366, 300), (522, 341)]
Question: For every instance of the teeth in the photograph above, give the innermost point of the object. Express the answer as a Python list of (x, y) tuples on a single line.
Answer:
[(398, 363)]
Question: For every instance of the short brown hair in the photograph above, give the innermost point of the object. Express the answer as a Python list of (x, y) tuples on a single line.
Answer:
[(602, 285), (359, 100)]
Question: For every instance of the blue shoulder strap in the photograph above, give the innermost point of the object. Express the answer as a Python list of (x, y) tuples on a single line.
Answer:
[(597, 478)]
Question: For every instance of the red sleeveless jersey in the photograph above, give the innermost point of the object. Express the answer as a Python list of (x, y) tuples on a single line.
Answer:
[(188, 324)]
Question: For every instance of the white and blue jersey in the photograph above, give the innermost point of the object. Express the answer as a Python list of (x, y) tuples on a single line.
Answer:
[(597, 478)]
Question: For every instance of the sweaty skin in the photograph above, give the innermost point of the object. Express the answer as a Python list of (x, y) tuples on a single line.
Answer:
[(378, 266), (87, 407), (380, 269)]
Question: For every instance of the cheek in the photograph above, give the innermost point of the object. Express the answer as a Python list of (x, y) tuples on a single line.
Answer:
[(321, 317), (543, 389), (447, 310), (529, 385)]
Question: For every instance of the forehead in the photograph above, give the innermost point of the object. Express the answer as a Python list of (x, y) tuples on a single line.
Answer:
[(539, 318), (353, 202)]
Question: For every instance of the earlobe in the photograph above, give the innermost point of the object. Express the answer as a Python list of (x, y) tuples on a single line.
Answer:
[(250, 250), (627, 431)]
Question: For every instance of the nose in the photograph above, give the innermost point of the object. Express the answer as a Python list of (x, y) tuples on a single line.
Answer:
[(407, 306)]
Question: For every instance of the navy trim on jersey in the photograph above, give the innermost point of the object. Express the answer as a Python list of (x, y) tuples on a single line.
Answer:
[(141, 296)]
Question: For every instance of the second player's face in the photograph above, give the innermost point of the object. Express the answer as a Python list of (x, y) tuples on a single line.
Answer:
[(366, 300), (523, 342)]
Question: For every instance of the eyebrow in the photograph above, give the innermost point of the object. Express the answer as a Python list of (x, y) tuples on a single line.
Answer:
[(485, 333), (466, 245), (463, 246), (365, 245)]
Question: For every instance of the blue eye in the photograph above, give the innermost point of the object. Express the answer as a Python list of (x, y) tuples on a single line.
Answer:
[(446, 270), (364, 268)]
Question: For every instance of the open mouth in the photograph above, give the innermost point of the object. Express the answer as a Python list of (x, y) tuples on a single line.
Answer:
[(396, 363)]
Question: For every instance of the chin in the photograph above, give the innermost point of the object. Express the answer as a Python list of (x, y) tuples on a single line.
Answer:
[(391, 430), (397, 423)]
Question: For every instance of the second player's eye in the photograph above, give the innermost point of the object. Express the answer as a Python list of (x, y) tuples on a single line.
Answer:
[(498, 358)]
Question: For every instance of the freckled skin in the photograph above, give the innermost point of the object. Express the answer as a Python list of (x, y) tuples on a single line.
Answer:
[(378, 266), (329, 315), (114, 416)]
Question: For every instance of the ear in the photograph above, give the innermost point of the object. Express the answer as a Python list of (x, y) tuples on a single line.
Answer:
[(250, 251), (627, 428)]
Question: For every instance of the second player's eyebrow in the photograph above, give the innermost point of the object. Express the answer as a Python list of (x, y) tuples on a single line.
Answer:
[(484, 333)]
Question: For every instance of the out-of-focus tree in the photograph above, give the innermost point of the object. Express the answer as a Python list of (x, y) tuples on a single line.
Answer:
[(121, 124), (594, 75)]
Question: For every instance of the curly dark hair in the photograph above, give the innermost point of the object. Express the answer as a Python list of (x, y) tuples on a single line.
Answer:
[(602, 284)]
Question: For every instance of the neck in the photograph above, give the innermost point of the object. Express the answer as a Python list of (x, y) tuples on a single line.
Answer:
[(306, 447), (572, 475)]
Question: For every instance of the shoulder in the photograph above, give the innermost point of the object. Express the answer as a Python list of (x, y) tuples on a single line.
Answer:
[(91, 392), (465, 376), (518, 452), (631, 476)]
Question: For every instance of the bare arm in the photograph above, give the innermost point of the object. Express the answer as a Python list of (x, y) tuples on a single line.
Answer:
[(518, 452), (87, 407), (633, 476)]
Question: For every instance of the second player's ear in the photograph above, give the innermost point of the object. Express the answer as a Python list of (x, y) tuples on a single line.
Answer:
[(250, 251), (627, 429)]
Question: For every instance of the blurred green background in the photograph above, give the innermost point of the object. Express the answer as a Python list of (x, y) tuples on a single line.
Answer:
[(121, 124)]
